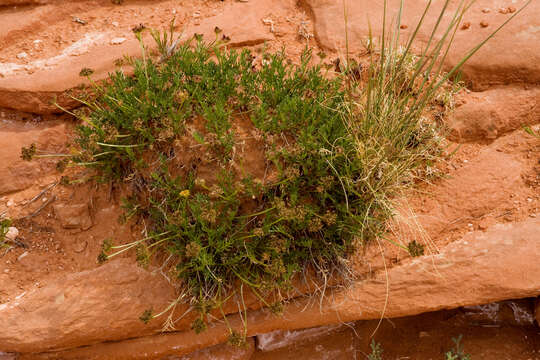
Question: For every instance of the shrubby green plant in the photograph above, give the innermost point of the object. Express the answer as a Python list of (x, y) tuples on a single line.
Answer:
[(333, 155), (376, 351), (231, 225), (457, 352), (326, 154)]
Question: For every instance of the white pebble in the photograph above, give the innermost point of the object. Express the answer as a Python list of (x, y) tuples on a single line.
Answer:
[(22, 55), (115, 23), (10, 203), (12, 233)]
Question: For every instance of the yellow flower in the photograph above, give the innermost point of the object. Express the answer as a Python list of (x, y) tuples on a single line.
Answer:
[(184, 193)]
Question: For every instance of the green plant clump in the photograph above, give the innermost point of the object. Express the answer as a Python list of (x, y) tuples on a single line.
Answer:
[(174, 132), (328, 166), (250, 175), (326, 162)]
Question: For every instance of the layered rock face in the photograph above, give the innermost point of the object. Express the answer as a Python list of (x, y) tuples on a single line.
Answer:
[(489, 203), (105, 304), (510, 57)]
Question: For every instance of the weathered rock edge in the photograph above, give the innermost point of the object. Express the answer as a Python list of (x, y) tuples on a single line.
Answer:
[(483, 267), (104, 304), (47, 89), (488, 114), (511, 56)]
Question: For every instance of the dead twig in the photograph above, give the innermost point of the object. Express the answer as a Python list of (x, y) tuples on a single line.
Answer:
[(49, 187), (52, 198)]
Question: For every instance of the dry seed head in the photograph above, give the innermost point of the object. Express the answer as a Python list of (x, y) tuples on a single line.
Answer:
[(315, 225), (258, 232), (193, 249), (215, 192), (292, 172), (210, 216), (330, 218)]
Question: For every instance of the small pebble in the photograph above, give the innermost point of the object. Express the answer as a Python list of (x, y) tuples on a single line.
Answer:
[(403, 26), (483, 225), (22, 55), (484, 24), (115, 23), (465, 25), (12, 233), (80, 247), (10, 203), (118, 40), (511, 9), (503, 10), (486, 10), (79, 20)]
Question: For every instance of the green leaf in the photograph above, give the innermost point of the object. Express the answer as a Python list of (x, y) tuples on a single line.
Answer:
[(199, 137)]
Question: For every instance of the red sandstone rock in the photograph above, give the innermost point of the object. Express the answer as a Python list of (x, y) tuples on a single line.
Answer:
[(489, 114), (84, 308), (478, 269), (18, 174), (76, 216), (513, 55), (22, 2), (43, 87)]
